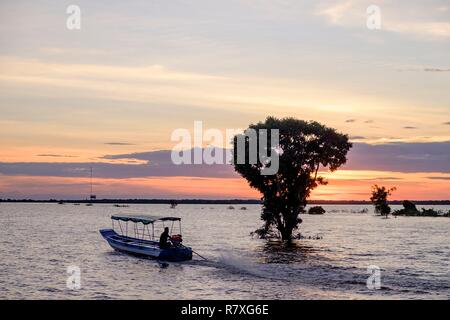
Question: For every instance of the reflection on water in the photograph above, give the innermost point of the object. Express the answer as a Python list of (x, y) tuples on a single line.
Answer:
[(39, 241), (287, 252)]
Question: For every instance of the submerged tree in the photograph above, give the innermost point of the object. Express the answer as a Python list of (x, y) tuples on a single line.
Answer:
[(304, 148), (379, 199), (173, 204)]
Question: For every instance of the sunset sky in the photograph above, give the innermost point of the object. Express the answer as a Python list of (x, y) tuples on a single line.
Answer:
[(109, 95)]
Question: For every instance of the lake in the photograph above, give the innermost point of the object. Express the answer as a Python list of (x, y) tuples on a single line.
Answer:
[(40, 241)]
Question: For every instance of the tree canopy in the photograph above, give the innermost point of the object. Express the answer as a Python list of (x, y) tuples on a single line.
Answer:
[(379, 199), (304, 147)]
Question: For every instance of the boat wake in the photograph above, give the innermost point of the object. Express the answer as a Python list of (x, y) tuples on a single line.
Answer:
[(305, 274), (239, 264)]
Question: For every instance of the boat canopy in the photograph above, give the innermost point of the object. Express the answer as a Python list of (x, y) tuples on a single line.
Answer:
[(145, 219)]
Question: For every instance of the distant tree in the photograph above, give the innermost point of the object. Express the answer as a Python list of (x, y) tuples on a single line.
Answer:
[(379, 199), (173, 204), (304, 147), (316, 210)]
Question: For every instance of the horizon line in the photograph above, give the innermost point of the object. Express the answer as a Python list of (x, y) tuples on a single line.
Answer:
[(200, 200)]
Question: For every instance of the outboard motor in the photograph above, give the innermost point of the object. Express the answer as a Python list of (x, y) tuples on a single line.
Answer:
[(176, 240)]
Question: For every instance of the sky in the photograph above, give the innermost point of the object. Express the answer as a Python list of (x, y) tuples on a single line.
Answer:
[(110, 94)]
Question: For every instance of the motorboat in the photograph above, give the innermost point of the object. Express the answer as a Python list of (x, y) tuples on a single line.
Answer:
[(140, 240)]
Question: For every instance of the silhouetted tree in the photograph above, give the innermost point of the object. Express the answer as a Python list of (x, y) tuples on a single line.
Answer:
[(379, 199), (304, 147), (173, 204)]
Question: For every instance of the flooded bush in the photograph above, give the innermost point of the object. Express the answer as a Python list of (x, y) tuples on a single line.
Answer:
[(379, 199), (316, 210), (365, 210), (410, 209)]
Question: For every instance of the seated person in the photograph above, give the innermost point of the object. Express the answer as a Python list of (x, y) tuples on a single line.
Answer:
[(164, 239)]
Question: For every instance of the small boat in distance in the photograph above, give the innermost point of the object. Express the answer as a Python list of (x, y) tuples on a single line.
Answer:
[(143, 242)]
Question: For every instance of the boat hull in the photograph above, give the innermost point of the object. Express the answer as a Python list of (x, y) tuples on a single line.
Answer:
[(146, 248)]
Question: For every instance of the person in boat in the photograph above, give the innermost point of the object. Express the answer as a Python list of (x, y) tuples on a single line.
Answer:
[(164, 239)]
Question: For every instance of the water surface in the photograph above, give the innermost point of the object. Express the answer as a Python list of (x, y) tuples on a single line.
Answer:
[(39, 241)]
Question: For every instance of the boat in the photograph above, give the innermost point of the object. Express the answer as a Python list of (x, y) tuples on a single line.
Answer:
[(143, 243)]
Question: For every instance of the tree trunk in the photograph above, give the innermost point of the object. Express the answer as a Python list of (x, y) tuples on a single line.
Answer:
[(286, 233), (286, 237), (289, 225)]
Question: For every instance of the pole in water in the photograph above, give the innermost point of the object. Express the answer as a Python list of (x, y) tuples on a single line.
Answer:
[(197, 254), (200, 255)]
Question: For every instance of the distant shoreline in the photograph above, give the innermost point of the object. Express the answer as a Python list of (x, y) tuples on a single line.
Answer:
[(217, 201)]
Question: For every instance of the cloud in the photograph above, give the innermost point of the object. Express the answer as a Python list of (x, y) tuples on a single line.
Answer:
[(336, 11), (369, 121), (391, 157), (160, 85), (439, 178), (400, 157), (119, 144), (423, 20), (136, 165), (447, 123), (429, 28), (357, 138), (56, 155), (138, 84), (436, 70), (409, 127), (350, 120), (115, 170), (418, 69)]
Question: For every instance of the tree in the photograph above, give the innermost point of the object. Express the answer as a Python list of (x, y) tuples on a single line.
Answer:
[(173, 204), (379, 199), (304, 147)]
